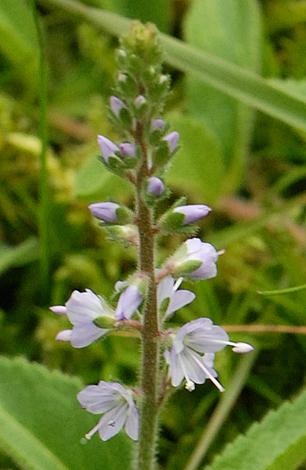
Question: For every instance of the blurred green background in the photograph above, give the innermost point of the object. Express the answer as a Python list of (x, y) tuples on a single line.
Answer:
[(250, 167)]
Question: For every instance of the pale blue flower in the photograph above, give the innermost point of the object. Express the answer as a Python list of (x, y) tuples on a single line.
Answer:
[(194, 259), (118, 407), (82, 309), (129, 301), (192, 352), (169, 289)]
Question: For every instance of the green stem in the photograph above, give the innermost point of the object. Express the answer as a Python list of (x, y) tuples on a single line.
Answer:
[(44, 215), (150, 349)]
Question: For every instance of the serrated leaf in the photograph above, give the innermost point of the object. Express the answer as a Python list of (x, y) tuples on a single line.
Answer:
[(278, 442), (42, 423)]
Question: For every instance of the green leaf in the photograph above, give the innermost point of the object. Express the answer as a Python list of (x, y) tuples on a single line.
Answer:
[(198, 166), (157, 12), (42, 423), (93, 182), (220, 28), (278, 442), (19, 255), (246, 86), (18, 40)]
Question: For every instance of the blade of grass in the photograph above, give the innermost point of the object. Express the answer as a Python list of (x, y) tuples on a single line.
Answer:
[(44, 228), (222, 410), (242, 84), (282, 291)]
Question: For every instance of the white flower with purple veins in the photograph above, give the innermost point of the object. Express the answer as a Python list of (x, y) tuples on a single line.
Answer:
[(82, 309), (192, 213), (129, 301), (192, 352), (168, 291), (118, 407)]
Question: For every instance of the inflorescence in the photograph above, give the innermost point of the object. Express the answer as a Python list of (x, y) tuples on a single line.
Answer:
[(189, 352)]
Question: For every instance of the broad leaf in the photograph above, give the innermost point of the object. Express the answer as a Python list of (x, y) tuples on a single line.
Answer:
[(198, 167), (157, 12), (229, 29), (18, 37), (278, 442), (42, 424)]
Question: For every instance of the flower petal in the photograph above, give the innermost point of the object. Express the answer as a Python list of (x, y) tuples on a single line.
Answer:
[(112, 422), (178, 300), (85, 333), (85, 306)]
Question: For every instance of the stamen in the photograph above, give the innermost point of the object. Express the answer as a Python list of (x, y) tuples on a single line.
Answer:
[(209, 376), (220, 252), (92, 432), (189, 385), (177, 284), (188, 381)]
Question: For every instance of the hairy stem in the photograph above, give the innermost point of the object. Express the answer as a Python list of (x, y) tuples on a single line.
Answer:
[(150, 353)]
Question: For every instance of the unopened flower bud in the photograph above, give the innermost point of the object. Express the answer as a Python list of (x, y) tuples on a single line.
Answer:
[(127, 150), (107, 147), (110, 212), (116, 105), (157, 124), (105, 211), (155, 186), (139, 101), (172, 140), (193, 212)]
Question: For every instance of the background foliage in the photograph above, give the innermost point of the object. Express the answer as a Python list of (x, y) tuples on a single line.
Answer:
[(248, 165)]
